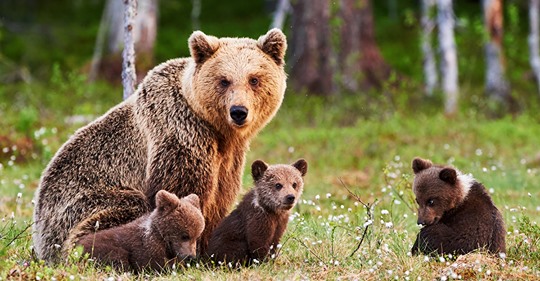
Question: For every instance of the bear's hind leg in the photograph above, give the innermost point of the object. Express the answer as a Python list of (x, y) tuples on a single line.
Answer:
[(123, 206)]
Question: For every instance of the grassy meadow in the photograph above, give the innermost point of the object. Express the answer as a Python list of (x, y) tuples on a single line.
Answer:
[(356, 220)]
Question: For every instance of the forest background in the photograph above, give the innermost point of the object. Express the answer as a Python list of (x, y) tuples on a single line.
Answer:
[(365, 97)]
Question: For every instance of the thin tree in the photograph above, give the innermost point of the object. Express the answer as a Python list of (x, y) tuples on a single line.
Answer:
[(282, 9), (129, 76), (497, 87), (196, 14), (447, 45), (107, 58), (533, 40), (311, 53), (430, 67)]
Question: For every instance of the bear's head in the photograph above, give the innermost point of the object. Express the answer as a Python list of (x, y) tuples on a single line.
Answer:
[(278, 187), (179, 222), (237, 84), (438, 189)]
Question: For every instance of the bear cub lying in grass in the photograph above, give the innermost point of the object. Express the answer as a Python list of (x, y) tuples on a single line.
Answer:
[(457, 212), (156, 240), (253, 230)]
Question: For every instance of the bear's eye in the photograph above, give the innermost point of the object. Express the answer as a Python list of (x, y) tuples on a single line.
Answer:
[(294, 185), (431, 202), (184, 237), (224, 83), (279, 186), (254, 81)]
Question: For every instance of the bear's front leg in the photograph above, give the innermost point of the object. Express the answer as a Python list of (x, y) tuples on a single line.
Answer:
[(439, 239)]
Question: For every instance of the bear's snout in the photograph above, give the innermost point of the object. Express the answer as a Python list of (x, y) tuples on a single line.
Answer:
[(289, 199), (239, 114)]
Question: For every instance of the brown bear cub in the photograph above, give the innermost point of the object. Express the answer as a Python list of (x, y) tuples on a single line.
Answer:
[(156, 240), (457, 212), (253, 230)]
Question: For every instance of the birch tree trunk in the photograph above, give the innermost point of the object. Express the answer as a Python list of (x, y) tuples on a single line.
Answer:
[(282, 9), (129, 76), (196, 14), (447, 45), (533, 40), (107, 59), (497, 86), (311, 51), (430, 67)]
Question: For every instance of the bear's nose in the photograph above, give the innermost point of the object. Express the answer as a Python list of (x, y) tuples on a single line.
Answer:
[(289, 199), (420, 222), (239, 114)]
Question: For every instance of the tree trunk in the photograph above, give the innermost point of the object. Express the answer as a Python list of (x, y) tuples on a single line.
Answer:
[(196, 14), (107, 61), (430, 67), (375, 69), (310, 61), (349, 52), (129, 77), (496, 84), (282, 9), (360, 60), (449, 67), (533, 40)]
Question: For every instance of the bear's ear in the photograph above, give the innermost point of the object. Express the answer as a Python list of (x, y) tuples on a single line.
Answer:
[(193, 199), (274, 44), (448, 175), (301, 165), (202, 46), (419, 164), (257, 169), (166, 201)]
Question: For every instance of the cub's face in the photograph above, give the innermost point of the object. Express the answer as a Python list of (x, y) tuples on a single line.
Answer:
[(436, 189), (278, 187), (239, 83), (180, 222)]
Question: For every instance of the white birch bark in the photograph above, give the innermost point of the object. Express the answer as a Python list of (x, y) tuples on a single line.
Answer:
[(497, 86), (195, 14), (100, 40), (533, 40), (449, 67), (129, 75), (282, 9), (430, 67)]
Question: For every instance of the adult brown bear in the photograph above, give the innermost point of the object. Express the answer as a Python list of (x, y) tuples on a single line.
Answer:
[(186, 130)]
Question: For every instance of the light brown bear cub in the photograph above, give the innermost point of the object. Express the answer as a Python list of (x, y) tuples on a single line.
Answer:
[(156, 240), (457, 212), (254, 228)]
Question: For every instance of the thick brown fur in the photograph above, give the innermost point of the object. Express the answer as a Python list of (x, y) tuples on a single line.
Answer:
[(156, 240), (253, 230), (457, 212), (176, 132)]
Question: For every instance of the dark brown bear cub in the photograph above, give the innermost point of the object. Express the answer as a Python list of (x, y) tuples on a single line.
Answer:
[(457, 212), (253, 230), (168, 234)]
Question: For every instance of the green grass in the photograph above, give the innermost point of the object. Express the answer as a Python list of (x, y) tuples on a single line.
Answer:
[(363, 144)]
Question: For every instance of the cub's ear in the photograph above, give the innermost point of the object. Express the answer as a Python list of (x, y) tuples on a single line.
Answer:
[(301, 165), (193, 199), (419, 164), (274, 44), (257, 169), (202, 46), (166, 201), (448, 175)]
